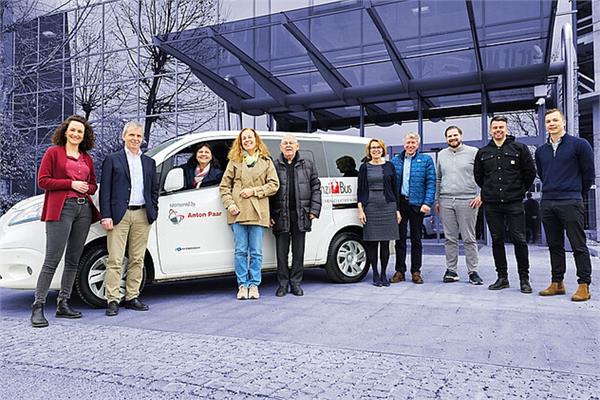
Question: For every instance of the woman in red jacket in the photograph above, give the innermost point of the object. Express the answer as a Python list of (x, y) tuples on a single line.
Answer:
[(67, 175)]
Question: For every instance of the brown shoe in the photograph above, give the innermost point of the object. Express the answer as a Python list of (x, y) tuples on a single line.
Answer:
[(398, 277), (554, 289), (582, 293), (416, 277)]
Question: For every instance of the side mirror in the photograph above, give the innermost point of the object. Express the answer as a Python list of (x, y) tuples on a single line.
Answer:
[(174, 180)]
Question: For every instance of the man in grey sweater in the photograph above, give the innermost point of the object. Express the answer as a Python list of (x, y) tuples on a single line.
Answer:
[(457, 203)]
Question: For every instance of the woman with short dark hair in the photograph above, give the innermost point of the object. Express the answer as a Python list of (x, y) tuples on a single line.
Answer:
[(67, 175)]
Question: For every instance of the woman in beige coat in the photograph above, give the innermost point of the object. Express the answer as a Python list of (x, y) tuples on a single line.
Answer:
[(249, 179)]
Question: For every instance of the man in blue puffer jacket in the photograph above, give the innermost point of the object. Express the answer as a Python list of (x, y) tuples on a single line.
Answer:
[(416, 181)]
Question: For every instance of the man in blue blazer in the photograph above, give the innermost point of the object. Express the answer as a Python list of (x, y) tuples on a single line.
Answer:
[(129, 205)]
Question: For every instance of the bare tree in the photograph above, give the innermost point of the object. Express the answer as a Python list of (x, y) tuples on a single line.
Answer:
[(523, 123), (159, 86), (92, 69)]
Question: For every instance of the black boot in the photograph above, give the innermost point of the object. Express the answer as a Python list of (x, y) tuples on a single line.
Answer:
[(501, 283), (384, 279), (525, 285), (37, 316), (63, 310), (376, 277)]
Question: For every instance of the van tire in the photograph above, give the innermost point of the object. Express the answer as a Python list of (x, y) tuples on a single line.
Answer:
[(347, 258), (89, 281)]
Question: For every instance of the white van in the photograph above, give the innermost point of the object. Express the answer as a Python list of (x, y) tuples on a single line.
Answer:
[(191, 238)]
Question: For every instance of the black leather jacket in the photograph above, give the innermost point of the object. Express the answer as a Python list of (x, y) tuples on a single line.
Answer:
[(504, 173)]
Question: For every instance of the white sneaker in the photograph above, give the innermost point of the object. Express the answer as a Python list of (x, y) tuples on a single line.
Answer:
[(253, 292), (242, 293)]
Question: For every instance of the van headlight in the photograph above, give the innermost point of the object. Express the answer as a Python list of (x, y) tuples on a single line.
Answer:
[(28, 214)]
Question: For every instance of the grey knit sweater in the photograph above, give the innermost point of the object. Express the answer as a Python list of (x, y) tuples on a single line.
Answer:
[(455, 173)]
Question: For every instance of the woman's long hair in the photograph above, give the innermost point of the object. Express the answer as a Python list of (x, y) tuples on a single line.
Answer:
[(193, 161), (59, 138), (236, 152)]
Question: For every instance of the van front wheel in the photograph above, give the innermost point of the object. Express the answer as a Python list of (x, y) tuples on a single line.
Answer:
[(347, 258), (89, 282)]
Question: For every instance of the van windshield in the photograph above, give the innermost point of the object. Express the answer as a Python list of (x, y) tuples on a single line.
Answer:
[(155, 150)]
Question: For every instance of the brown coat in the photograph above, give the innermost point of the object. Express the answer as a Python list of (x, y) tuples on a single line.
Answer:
[(262, 178)]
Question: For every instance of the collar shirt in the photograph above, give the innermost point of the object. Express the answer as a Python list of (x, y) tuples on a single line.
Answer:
[(134, 161), (555, 145), (406, 175)]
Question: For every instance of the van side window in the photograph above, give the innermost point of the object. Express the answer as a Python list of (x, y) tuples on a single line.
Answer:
[(185, 159), (309, 149), (344, 159)]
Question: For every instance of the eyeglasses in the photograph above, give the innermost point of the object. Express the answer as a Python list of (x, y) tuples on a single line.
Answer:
[(375, 148)]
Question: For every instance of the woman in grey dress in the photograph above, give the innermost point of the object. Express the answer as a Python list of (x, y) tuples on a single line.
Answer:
[(378, 207)]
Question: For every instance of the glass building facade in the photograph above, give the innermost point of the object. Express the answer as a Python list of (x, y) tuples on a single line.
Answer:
[(97, 58)]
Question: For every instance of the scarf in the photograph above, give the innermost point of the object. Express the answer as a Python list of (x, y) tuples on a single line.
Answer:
[(250, 160), (200, 174)]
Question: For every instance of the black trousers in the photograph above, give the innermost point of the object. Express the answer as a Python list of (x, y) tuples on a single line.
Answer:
[(413, 215), (498, 216), (532, 230), (560, 216), (285, 275)]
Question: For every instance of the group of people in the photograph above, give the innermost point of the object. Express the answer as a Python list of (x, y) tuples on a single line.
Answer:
[(128, 207), (257, 191), (284, 193), (497, 176)]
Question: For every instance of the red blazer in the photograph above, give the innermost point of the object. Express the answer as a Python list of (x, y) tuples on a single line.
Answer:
[(52, 177)]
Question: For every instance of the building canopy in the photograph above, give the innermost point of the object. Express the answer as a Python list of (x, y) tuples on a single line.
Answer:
[(375, 61)]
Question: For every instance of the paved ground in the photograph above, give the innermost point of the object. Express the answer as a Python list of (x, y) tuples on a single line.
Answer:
[(435, 340)]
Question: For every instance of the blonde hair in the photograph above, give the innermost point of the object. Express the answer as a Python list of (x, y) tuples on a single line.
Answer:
[(368, 148), (236, 152)]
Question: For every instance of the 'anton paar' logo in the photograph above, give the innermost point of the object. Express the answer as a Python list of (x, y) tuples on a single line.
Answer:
[(174, 217)]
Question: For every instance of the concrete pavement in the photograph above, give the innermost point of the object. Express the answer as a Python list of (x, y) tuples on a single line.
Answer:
[(433, 340)]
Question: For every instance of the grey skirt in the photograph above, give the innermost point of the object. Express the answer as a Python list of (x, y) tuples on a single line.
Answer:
[(381, 218)]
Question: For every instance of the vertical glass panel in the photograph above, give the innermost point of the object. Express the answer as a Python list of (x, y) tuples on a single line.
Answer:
[(24, 110), (513, 54), (442, 64), (26, 43), (50, 107)]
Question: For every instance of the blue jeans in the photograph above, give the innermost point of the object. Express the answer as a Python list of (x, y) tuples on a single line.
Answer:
[(248, 241)]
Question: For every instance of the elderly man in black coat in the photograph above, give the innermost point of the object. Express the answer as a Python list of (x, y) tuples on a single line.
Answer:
[(293, 207)]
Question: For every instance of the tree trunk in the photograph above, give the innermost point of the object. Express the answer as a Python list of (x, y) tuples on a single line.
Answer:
[(150, 110)]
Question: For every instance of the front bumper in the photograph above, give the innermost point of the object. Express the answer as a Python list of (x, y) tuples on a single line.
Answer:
[(20, 268)]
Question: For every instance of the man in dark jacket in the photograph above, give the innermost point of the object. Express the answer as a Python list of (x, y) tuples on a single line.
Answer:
[(504, 170), (129, 206), (293, 207), (566, 167)]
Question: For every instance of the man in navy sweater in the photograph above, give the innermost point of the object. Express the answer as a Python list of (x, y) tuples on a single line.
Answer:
[(565, 164)]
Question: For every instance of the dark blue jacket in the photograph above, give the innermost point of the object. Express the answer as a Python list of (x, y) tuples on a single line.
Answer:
[(390, 189), (422, 178), (570, 173), (212, 178), (115, 187)]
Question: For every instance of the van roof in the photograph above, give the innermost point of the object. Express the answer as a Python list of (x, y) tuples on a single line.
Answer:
[(185, 140), (192, 137)]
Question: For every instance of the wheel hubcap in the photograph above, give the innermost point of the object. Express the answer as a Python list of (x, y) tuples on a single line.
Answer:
[(98, 273), (351, 258)]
